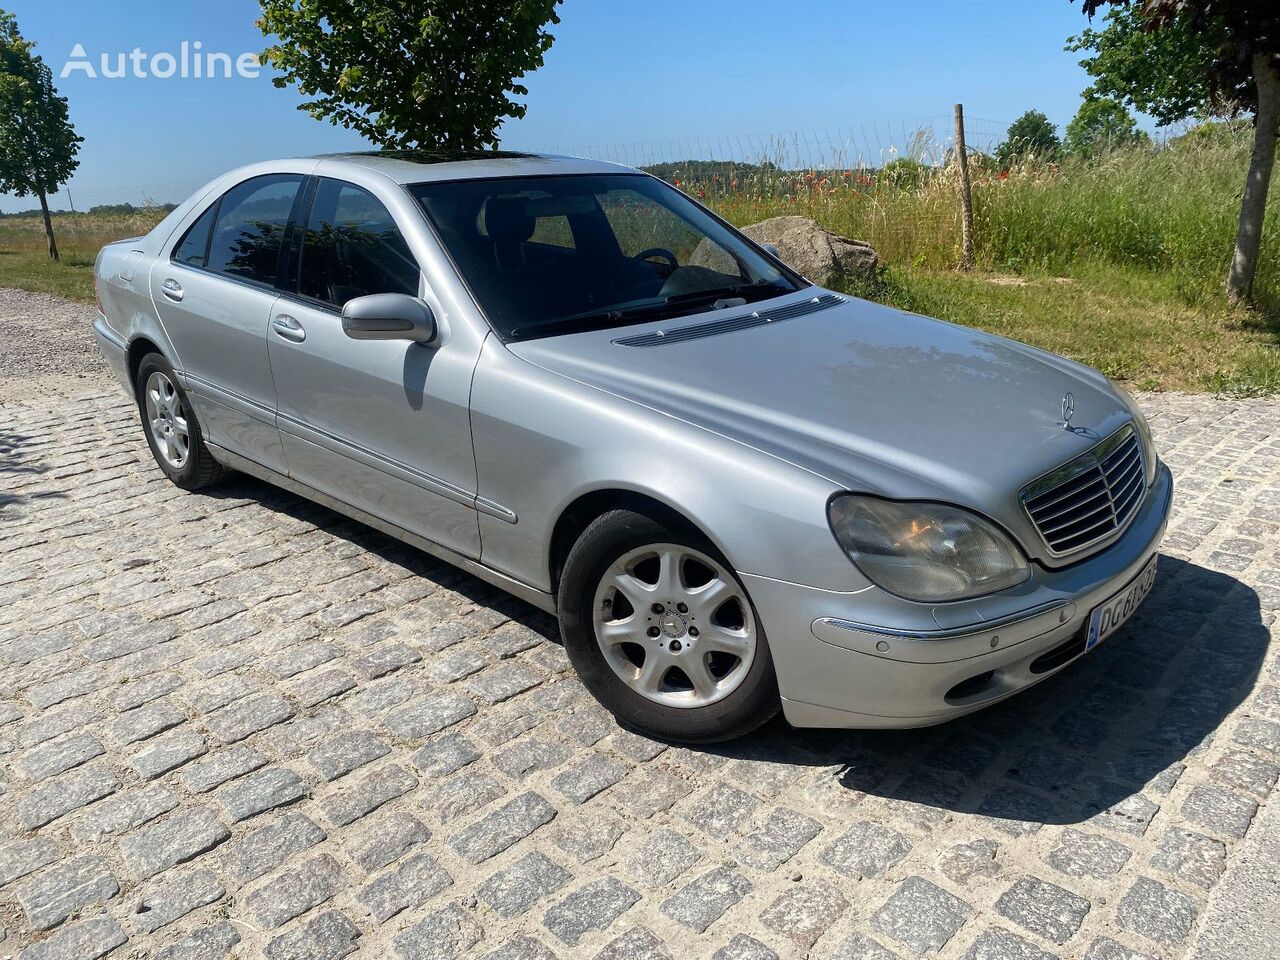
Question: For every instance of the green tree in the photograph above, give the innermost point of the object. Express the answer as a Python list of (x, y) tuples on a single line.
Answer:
[(410, 73), (38, 145), (1180, 59), (1030, 138), (1102, 123)]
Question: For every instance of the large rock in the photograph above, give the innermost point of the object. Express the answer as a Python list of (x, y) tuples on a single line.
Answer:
[(823, 257)]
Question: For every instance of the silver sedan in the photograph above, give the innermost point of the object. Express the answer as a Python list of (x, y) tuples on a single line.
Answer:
[(738, 492)]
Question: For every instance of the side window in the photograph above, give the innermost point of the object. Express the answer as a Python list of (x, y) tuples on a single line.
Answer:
[(352, 247), (194, 248), (250, 228)]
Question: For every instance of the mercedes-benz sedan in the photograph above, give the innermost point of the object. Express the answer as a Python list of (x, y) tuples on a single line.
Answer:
[(738, 492)]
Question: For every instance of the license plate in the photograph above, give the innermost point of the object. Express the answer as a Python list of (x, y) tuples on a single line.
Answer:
[(1110, 617)]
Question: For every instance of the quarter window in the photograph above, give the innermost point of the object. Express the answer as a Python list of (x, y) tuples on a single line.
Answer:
[(194, 248), (352, 248), (250, 227)]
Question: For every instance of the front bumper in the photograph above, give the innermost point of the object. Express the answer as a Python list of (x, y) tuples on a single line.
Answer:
[(866, 659)]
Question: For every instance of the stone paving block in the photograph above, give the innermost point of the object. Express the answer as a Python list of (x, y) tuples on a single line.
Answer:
[(1132, 815), (385, 839), (262, 850), (705, 900), (174, 896), (1104, 948), (649, 792), (54, 894), (313, 689), (383, 659), (1259, 733), (498, 830), (997, 944), (328, 936), (521, 947), (213, 941), (661, 857), (346, 752), (21, 857), (804, 913), (861, 947), (1219, 810), (295, 891), (782, 835), (589, 838), (720, 811), (48, 724), (531, 756), (1046, 909), (445, 754), (503, 682), (441, 935), (69, 791), (368, 795), (921, 916), (1190, 856), (1159, 913), (260, 791), (584, 780), (635, 944), (59, 756), (247, 716), (865, 850), (176, 839), (84, 940), (167, 752), (430, 715), (1080, 854), (1247, 771), (219, 767), (146, 721), (123, 812), (410, 884), (512, 891), (592, 907), (461, 794), (966, 862), (743, 947)]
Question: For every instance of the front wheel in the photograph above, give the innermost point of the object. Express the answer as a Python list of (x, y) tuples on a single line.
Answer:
[(662, 632)]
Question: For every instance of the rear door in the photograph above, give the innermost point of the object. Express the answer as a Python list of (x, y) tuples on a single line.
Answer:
[(382, 425), (214, 295)]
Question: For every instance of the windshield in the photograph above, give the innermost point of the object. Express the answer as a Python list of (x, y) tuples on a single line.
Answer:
[(548, 255)]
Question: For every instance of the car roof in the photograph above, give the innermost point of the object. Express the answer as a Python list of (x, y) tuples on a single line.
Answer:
[(422, 166)]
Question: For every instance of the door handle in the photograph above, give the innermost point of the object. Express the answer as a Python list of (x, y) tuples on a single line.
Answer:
[(172, 289), (289, 328)]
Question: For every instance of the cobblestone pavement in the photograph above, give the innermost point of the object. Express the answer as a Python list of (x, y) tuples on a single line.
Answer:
[(236, 724)]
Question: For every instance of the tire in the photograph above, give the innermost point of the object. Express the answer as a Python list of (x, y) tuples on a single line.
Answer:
[(171, 428), (707, 627)]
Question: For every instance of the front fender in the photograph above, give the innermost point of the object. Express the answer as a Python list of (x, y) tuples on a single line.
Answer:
[(543, 441)]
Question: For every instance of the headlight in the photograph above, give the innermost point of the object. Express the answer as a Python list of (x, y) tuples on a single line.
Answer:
[(1144, 433), (925, 551)]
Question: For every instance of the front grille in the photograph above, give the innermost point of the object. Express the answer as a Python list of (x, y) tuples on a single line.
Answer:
[(1091, 498)]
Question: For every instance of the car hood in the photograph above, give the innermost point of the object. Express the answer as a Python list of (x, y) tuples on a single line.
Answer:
[(877, 400)]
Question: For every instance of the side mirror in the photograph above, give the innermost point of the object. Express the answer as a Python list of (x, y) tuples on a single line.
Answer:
[(389, 316), (771, 249)]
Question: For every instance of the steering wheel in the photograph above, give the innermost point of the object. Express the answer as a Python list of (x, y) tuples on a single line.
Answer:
[(662, 252)]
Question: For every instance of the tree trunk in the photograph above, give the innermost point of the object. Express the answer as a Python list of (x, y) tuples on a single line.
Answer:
[(48, 225), (1253, 204)]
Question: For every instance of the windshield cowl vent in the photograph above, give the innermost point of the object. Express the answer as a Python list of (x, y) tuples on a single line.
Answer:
[(742, 321)]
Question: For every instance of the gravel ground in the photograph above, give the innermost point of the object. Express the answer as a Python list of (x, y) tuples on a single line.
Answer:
[(48, 340)]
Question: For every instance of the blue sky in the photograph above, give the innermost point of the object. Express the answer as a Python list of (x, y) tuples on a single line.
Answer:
[(619, 74)]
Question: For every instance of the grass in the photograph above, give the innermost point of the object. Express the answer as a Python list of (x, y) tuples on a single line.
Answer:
[(1117, 261)]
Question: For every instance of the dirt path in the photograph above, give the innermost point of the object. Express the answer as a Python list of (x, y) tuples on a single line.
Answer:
[(47, 346)]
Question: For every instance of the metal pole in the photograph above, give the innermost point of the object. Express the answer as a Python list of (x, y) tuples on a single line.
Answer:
[(966, 192)]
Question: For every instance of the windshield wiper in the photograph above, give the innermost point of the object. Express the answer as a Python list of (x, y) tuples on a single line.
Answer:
[(736, 290)]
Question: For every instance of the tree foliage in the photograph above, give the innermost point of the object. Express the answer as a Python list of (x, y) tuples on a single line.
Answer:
[(410, 73), (1030, 138), (38, 145), (1102, 123)]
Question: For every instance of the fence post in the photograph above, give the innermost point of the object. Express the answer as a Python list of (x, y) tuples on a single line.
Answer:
[(966, 192)]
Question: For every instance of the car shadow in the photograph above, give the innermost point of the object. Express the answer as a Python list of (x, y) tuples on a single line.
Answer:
[(1096, 741)]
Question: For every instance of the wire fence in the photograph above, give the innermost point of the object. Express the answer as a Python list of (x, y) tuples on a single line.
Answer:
[(851, 147)]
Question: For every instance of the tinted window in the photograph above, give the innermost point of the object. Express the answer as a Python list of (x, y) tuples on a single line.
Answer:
[(194, 247), (352, 248), (250, 228), (547, 255)]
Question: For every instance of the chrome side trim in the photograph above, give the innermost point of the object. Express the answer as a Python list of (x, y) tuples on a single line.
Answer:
[(371, 458), (530, 594), (236, 401), (494, 509), (949, 633)]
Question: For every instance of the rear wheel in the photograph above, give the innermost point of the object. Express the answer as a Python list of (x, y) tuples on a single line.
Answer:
[(173, 434), (663, 633)]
